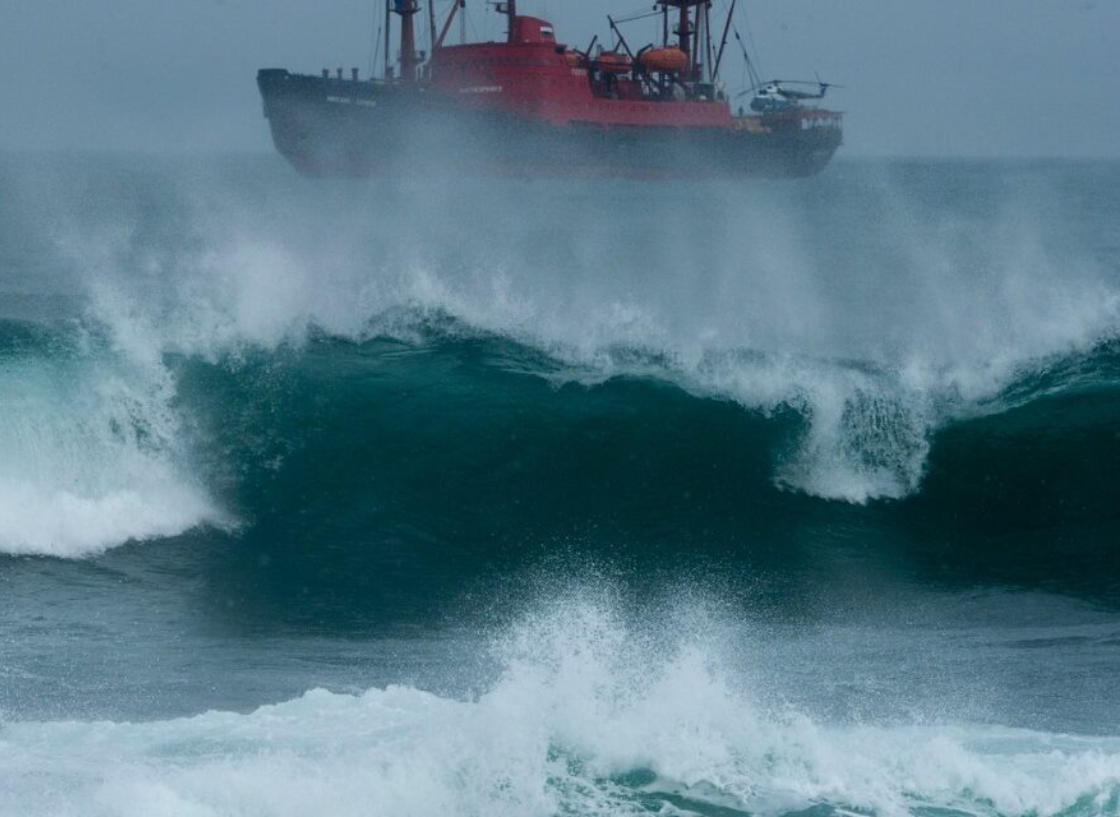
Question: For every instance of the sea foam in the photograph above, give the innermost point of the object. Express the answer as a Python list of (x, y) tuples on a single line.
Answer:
[(877, 317), (92, 452), (878, 326), (586, 716)]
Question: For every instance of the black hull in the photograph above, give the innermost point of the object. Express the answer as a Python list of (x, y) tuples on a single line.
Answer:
[(346, 128)]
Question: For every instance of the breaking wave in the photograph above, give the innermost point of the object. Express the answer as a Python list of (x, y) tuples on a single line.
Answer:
[(587, 714), (92, 447), (103, 447), (852, 324), (795, 413)]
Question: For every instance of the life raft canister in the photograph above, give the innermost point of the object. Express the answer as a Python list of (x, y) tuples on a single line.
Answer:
[(613, 62), (668, 60)]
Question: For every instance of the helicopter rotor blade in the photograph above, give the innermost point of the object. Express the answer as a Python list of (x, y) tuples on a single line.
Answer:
[(753, 88), (794, 82), (780, 82), (805, 82)]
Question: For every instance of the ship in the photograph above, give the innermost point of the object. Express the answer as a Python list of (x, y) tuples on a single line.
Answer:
[(530, 105)]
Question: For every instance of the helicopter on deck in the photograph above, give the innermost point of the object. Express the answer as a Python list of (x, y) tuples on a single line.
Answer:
[(773, 96)]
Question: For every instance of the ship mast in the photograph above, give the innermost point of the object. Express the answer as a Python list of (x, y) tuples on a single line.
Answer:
[(688, 32), (432, 25), (684, 33), (409, 58), (510, 8), (388, 74)]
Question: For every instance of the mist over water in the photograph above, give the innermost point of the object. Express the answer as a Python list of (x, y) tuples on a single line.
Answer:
[(867, 306), (618, 498)]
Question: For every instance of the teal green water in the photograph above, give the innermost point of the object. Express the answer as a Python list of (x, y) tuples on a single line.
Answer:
[(505, 497)]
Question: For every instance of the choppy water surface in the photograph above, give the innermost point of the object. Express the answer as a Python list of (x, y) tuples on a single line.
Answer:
[(511, 497)]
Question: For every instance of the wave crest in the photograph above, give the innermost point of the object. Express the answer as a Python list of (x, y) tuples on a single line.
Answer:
[(92, 449), (587, 716)]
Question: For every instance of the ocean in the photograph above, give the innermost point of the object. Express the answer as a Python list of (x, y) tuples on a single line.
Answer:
[(559, 497)]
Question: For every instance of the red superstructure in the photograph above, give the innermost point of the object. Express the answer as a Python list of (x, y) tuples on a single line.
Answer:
[(533, 77), (617, 109)]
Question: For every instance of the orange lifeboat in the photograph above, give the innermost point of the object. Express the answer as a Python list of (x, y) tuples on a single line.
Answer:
[(614, 62), (667, 60)]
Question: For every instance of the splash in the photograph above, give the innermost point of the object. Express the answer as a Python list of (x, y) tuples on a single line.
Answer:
[(875, 315), (879, 308), (587, 715), (92, 452)]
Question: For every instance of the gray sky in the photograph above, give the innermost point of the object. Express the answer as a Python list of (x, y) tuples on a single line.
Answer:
[(923, 77)]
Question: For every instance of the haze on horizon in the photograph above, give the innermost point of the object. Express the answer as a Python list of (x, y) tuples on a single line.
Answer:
[(928, 78)]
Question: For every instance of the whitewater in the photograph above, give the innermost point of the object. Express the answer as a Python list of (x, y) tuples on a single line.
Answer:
[(571, 725), (512, 497)]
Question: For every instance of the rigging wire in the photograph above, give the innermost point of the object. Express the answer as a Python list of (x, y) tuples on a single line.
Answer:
[(466, 19), (751, 70), (629, 18), (375, 45), (754, 48)]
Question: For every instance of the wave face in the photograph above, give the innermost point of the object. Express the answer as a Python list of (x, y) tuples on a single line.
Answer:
[(517, 498), (862, 318), (438, 440)]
